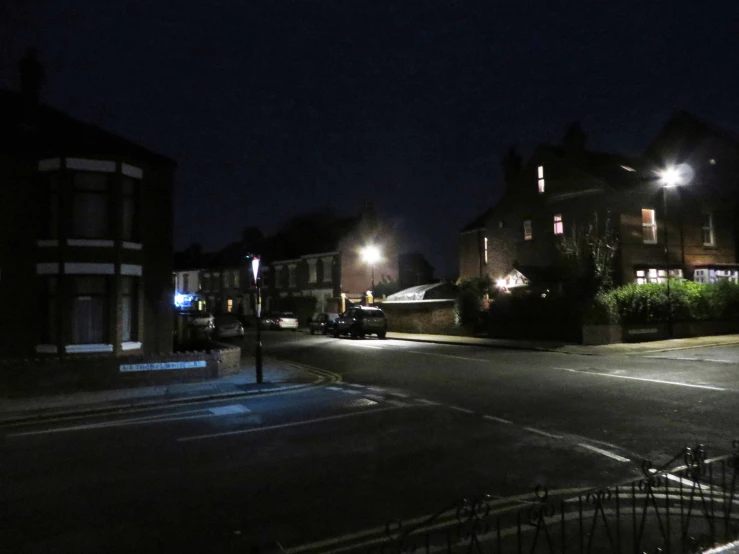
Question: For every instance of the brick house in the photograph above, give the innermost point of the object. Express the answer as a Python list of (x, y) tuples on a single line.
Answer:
[(332, 269), (563, 187), (86, 240)]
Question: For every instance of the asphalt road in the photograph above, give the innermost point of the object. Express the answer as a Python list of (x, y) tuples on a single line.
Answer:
[(410, 428)]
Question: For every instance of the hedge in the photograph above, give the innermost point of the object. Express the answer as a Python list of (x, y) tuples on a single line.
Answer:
[(648, 303)]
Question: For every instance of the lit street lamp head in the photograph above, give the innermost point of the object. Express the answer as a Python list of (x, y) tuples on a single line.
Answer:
[(371, 254), (675, 175)]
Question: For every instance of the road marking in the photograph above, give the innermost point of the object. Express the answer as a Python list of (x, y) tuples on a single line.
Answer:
[(376, 389), (428, 402), (397, 403), (687, 359), (334, 388), (660, 381), (445, 356), (229, 410), (233, 409), (465, 410), (285, 425), (604, 452), (542, 433), (375, 397), (401, 394), (498, 419), (355, 385), (352, 391)]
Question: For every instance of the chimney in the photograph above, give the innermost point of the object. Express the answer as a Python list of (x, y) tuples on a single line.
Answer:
[(574, 140), (512, 166), (31, 76)]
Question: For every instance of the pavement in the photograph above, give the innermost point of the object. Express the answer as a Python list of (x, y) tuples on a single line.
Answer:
[(277, 377), (618, 349), (282, 376)]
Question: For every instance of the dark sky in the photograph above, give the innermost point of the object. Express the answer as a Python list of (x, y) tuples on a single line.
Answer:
[(276, 107)]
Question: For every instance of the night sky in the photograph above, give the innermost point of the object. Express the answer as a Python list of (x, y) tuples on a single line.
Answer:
[(273, 108)]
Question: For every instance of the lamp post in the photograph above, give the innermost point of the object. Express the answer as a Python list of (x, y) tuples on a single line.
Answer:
[(671, 177), (258, 305), (371, 255)]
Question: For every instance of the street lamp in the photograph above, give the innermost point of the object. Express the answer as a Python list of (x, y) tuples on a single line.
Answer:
[(671, 177), (258, 305), (371, 255)]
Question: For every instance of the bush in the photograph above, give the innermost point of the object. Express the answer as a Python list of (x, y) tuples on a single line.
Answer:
[(648, 303)]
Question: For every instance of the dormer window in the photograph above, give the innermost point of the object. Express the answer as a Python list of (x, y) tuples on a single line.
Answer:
[(541, 179)]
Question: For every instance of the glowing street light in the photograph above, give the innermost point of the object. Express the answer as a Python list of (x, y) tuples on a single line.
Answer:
[(371, 255)]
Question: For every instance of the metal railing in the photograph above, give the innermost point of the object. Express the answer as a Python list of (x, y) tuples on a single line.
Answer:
[(687, 505)]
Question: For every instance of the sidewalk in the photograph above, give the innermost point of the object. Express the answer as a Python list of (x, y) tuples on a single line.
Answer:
[(277, 376), (618, 349)]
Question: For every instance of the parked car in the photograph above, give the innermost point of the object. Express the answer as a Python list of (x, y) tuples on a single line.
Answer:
[(360, 321), (280, 320), (323, 323), (227, 326)]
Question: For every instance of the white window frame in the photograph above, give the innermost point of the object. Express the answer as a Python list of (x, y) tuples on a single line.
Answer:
[(559, 226), (710, 228), (540, 175), (652, 226), (528, 229)]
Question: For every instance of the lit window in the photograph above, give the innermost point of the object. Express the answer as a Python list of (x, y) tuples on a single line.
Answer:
[(640, 277), (558, 225), (528, 233), (649, 226), (708, 236), (229, 305), (486, 250), (541, 178)]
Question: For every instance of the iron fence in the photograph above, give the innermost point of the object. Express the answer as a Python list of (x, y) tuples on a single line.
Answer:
[(685, 506)]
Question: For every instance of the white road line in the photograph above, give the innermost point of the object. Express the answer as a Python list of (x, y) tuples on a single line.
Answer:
[(285, 425), (347, 391), (604, 452), (229, 410), (445, 356), (376, 397), (660, 381), (498, 419), (107, 425), (428, 402), (465, 410), (355, 385), (542, 433), (401, 394), (376, 389), (334, 388), (687, 359), (397, 403)]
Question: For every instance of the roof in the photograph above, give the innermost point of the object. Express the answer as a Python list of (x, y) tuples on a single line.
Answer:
[(434, 291), (613, 169), (49, 131), (478, 222)]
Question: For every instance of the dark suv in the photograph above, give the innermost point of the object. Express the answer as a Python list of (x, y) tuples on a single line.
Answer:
[(360, 321)]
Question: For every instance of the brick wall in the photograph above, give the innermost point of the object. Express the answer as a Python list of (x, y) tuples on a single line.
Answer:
[(435, 317), (28, 377)]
